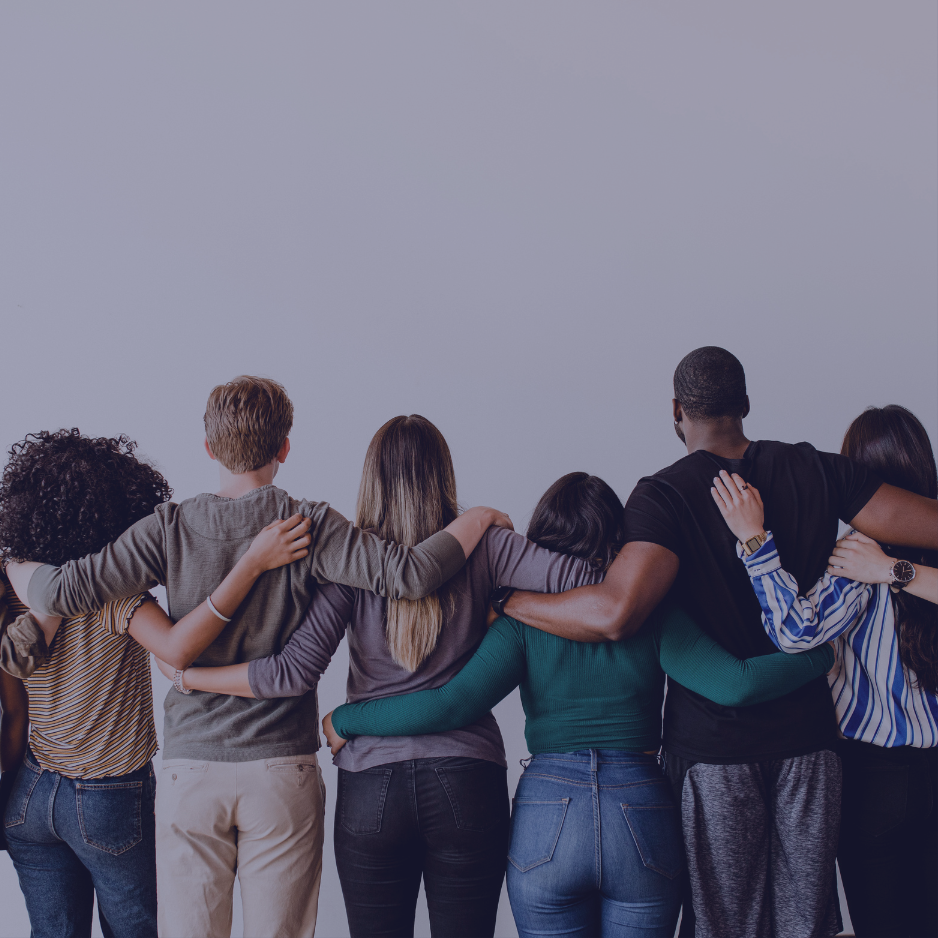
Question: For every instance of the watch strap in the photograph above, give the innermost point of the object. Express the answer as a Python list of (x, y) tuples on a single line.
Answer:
[(499, 597), (754, 543)]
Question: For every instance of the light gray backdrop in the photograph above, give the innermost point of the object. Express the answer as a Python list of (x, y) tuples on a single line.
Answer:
[(511, 217)]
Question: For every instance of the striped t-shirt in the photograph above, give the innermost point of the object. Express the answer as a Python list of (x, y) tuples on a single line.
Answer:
[(877, 700), (91, 703)]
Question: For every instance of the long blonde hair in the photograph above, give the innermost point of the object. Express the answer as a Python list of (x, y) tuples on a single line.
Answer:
[(407, 493)]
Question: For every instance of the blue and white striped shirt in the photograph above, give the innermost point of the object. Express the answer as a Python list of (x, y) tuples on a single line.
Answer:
[(877, 700)]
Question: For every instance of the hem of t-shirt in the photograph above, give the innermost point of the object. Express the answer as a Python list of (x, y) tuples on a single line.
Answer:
[(200, 752), (652, 539), (750, 757), (67, 772), (862, 500)]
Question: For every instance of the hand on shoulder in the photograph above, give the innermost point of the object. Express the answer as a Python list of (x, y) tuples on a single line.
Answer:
[(740, 504)]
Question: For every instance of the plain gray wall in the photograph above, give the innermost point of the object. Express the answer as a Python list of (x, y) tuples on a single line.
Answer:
[(511, 217)]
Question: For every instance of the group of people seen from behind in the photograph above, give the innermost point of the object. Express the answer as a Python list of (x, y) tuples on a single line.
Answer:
[(775, 601)]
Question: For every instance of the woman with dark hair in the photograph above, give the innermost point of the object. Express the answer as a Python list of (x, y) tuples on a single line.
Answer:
[(876, 604), (79, 815), (596, 843)]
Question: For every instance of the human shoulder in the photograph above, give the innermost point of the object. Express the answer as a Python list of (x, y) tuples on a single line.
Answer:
[(496, 542)]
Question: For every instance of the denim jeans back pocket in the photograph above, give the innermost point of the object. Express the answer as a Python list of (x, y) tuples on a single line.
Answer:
[(477, 793), (26, 780), (361, 799), (656, 830), (535, 830), (110, 814)]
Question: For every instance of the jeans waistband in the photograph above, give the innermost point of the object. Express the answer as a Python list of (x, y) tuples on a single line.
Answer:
[(598, 757)]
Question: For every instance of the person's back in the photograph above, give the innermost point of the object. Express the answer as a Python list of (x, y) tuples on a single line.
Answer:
[(440, 811), (79, 821), (592, 803), (777, 759), (807, 491), (240, 786), (502, 558)]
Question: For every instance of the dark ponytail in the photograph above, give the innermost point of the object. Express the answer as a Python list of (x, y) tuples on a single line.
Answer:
[(893, 443)]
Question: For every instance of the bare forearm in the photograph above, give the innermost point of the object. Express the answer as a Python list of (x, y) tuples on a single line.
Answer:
[(469, 527), (232, 680), (586, 614), (895, 516), (612, 610), (180, 644), (925, 584)]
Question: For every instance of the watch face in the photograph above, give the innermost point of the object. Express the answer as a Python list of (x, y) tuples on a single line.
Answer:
[(903, 571)]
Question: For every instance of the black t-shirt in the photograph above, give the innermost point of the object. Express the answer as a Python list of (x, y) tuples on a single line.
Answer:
[(804, 492)]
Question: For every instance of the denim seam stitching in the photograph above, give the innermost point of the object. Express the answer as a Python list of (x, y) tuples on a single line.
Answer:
[(138, 819), (559, 778), (29, 794), (566, 803), (649, 865), (55, 790), (379, 811)]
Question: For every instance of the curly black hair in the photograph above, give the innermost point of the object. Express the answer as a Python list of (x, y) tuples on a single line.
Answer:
[(64, 495)]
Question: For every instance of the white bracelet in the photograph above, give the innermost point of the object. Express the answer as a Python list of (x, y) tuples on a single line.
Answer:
[(211, 606), (177, 682)]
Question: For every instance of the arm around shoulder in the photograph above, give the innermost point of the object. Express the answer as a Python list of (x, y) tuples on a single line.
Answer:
[(132, 564), (343, 553), (615, 609), (896, 516)]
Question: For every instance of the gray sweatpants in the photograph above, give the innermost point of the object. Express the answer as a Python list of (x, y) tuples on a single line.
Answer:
[(761, 840)]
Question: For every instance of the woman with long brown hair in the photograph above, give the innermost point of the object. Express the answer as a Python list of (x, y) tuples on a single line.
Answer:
[(876, 604), (436, 806)]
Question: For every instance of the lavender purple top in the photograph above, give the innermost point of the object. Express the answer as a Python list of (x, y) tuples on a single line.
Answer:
[(503, 558)]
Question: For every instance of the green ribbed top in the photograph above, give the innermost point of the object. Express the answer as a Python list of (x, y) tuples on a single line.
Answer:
[(578, 695)]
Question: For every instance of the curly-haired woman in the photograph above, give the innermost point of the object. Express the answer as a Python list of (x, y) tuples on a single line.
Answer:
[(79, 817), (877, 608)]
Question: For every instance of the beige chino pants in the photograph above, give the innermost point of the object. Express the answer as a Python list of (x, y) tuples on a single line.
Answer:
[(261, 820)]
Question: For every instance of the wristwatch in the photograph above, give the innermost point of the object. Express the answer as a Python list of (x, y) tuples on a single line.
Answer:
[(902, 573), (499, 597), (754, 543)]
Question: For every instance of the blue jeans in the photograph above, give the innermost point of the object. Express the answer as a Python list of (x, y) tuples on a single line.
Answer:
[(595, 847), (70, 838)]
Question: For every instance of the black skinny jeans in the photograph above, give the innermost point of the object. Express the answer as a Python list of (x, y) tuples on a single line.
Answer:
[(444, 819), (888, 852)]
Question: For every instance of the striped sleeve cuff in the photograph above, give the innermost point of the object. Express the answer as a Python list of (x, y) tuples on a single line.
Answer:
[(116, 615), (764, 561)]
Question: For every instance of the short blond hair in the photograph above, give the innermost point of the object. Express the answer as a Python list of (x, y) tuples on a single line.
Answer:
[(246, 422)]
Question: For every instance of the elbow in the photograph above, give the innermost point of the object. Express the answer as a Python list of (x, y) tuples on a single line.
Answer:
[(179, 660), (616, 622), (411, 591)]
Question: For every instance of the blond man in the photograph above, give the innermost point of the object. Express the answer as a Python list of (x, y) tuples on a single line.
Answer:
[(240, 791)]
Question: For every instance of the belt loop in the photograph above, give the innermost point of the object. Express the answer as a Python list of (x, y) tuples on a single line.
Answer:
[(594, 761)]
